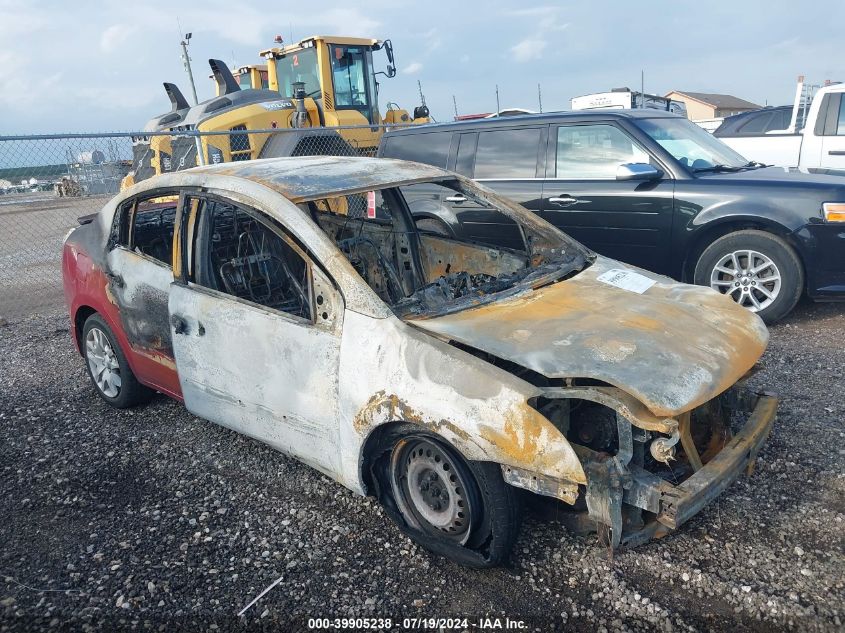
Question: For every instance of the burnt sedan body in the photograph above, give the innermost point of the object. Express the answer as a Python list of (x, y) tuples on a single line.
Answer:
[(296, 301)]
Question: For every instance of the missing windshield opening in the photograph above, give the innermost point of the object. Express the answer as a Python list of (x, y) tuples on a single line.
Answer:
[(421, 274)]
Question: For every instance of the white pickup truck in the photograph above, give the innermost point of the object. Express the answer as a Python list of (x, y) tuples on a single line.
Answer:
[(817, 142)]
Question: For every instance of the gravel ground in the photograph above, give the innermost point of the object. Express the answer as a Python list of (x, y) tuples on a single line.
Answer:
[(154, 519)]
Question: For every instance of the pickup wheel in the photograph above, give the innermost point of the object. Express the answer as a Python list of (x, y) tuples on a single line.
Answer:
[(107, 366), (453, 507), (758, 270)]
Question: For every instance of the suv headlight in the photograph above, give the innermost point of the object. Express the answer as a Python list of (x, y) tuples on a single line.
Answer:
[(834, 211)]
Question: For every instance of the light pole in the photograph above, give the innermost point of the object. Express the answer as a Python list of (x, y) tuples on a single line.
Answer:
[(186, 60)]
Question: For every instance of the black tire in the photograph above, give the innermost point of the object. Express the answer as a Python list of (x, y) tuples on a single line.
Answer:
[(491, 511), (432, 225), (130, 392), (785, 264)]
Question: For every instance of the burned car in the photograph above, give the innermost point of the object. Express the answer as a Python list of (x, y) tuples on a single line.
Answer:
[(295, 301)]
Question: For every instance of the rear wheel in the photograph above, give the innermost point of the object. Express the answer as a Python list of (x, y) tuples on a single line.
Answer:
[(758, 270), (107, 366), (459, 509)]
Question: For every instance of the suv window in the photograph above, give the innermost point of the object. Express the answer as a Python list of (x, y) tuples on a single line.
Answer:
[(505, 154), (431, 149), (466, 154), (236, 253), (758, 124), (840, 128), (594, 151), (781, 120), (150, 222)]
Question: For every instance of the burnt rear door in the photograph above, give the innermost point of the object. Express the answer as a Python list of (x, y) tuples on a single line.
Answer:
[(627, 220), (140, 271)]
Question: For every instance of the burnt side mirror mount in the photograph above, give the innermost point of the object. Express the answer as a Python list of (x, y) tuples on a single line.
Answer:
[(638, 171)]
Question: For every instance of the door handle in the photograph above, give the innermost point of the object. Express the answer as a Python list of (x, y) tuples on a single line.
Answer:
[(180, 325), (456, 198), (837, 152), (116, 279), (564, 200)]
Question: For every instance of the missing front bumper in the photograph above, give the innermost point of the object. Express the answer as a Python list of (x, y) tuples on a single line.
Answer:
[(635, 505), (680, 503)]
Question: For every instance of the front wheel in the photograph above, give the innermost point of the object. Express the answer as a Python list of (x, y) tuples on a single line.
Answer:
[(459, 509), (758, 270)]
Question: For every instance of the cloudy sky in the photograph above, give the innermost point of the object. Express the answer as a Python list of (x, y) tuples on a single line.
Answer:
[(98, 66)]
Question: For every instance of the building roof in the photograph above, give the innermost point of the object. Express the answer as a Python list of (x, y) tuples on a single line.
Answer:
[(719, 100)]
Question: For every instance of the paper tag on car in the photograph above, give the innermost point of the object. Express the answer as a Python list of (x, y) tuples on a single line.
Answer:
[(627, 280), (371, 205)]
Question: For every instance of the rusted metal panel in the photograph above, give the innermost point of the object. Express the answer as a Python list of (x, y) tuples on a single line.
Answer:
[(680, 503), (540, 484), (673, 347), (315, 177), (391, 372)]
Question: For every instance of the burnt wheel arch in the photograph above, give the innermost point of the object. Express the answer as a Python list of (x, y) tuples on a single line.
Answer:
[(500, 508)]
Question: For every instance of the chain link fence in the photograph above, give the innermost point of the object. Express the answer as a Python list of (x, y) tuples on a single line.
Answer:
[(48, 181)]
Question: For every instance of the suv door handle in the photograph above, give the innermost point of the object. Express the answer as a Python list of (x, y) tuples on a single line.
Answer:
[(563, 200), (837, 152), (456, 198)]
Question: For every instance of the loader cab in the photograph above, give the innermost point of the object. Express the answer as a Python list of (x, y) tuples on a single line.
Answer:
[(252, 76), (338, 74), (247, 77)]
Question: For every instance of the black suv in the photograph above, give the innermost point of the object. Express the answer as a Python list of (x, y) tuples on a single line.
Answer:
[(645, 187)]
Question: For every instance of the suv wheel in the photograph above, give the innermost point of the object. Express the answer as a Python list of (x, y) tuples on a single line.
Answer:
[(758, 270), (107, 367)]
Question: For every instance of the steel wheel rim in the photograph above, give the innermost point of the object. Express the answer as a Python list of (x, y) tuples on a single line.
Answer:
[(102, 362), (749, 277), (430, 489)]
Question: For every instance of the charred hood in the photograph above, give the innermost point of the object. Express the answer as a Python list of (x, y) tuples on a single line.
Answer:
[(673, 346)]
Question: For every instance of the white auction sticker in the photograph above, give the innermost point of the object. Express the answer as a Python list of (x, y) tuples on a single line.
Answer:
[(627, 280)]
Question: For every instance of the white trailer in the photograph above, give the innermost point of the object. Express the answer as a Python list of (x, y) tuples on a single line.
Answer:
[(625, 99)]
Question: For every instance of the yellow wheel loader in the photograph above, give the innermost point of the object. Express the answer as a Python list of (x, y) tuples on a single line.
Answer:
[(319, 82), (247, 77)]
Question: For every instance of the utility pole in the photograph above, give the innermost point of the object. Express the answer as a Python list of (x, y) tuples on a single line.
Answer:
[(498, 107), (186, 60), (455, 104), (540, 98), (642, 88)]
